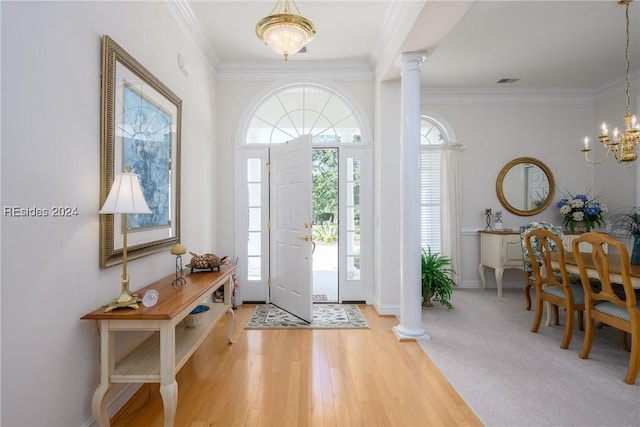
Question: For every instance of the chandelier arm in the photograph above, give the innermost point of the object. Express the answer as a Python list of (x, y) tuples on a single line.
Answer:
[(595, 162)]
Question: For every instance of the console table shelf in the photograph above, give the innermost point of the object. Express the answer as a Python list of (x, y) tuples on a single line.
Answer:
[(171, 344)]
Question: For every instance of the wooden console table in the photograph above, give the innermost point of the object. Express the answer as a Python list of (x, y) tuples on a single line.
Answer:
[(160, 357)]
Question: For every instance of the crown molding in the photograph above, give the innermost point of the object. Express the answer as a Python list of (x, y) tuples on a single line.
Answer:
[(617, 86), (394, 33), (545, 96), (186, 19), (335, 70), (508, 96)]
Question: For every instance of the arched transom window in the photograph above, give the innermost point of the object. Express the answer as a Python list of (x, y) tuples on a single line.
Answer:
[(301, 110)]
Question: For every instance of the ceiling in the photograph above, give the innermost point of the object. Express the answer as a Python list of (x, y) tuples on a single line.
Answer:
[(469, 44)]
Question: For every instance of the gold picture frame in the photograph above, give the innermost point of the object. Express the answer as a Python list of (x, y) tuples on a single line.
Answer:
[(140, 129)]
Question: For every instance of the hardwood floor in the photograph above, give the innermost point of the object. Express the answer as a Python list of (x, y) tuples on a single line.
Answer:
[(306, 378)]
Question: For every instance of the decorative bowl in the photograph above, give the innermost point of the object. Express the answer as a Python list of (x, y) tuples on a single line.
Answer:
[(198, 316)]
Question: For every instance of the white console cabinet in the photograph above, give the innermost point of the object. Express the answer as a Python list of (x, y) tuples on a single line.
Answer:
[(502, 249), (499, 250)]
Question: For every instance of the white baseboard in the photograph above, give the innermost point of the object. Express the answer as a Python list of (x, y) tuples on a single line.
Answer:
[(387, 309)]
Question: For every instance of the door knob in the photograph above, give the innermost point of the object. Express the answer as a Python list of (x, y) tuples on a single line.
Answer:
[(305, 238)]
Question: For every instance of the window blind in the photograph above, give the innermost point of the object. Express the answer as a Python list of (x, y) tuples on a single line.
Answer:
[(430, 234)]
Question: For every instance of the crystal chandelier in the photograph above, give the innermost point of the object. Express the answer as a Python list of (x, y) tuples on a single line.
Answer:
[(284, 31), (624, 146)]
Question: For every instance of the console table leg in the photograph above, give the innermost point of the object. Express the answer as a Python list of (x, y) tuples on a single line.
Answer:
[(169, 393), (99, 405), (482, 280), (230, 317), (499, 273)]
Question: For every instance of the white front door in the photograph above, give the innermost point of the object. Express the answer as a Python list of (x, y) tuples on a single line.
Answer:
[(290, 229)]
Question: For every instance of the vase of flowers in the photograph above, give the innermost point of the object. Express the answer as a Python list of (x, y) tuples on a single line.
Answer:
[(581, 210)]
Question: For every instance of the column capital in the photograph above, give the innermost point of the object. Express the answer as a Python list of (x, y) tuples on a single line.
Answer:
[(408, 60)]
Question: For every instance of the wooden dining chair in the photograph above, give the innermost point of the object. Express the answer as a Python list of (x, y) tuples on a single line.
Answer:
[(606, 305), (553, 287), (527, 267)]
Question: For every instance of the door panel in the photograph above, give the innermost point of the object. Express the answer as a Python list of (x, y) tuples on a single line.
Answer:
[(290, 233)]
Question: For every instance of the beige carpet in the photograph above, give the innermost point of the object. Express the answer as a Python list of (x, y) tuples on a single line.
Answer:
[(512, 377)]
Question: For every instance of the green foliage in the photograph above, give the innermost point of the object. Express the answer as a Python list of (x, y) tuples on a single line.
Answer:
[(325, 232), (437, 277), (324, 178), (626, 223)]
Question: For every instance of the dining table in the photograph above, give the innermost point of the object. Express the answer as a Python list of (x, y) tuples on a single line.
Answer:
[(615, 268)]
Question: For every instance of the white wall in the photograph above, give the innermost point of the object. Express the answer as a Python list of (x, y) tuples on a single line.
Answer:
[(387, 198), (498, 130), (51, 65), (495, 130)]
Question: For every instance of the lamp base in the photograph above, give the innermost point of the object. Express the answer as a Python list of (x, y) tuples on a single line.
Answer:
[(125, 300)]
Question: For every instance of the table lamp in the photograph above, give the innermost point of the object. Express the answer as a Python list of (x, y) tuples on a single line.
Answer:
[(125, 197)]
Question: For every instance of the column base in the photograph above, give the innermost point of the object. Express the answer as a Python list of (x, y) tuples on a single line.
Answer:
[(404, 334)]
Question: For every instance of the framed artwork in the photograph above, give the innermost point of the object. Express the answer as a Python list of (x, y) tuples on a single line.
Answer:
[(140, 131)]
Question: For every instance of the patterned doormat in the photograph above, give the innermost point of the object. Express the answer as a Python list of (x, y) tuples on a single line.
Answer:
[(325, 316)]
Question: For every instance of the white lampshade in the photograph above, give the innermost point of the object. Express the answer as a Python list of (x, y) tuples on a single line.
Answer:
[(125, 196)]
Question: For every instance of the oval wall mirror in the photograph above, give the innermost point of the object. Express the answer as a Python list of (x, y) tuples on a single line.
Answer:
[(525, 186)]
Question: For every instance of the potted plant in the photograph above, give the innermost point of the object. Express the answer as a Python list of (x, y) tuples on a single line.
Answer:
[(626, 224), (437, 281)]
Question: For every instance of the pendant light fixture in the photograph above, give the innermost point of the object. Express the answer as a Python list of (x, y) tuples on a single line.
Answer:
[(284, 31)]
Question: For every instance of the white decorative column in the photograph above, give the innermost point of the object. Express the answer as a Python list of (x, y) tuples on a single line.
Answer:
[(410, 327)]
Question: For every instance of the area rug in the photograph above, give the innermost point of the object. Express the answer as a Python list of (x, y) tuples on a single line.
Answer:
[(325, 316)]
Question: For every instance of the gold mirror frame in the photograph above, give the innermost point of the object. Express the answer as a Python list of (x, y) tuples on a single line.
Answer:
[(500, 181), (121, 72)]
